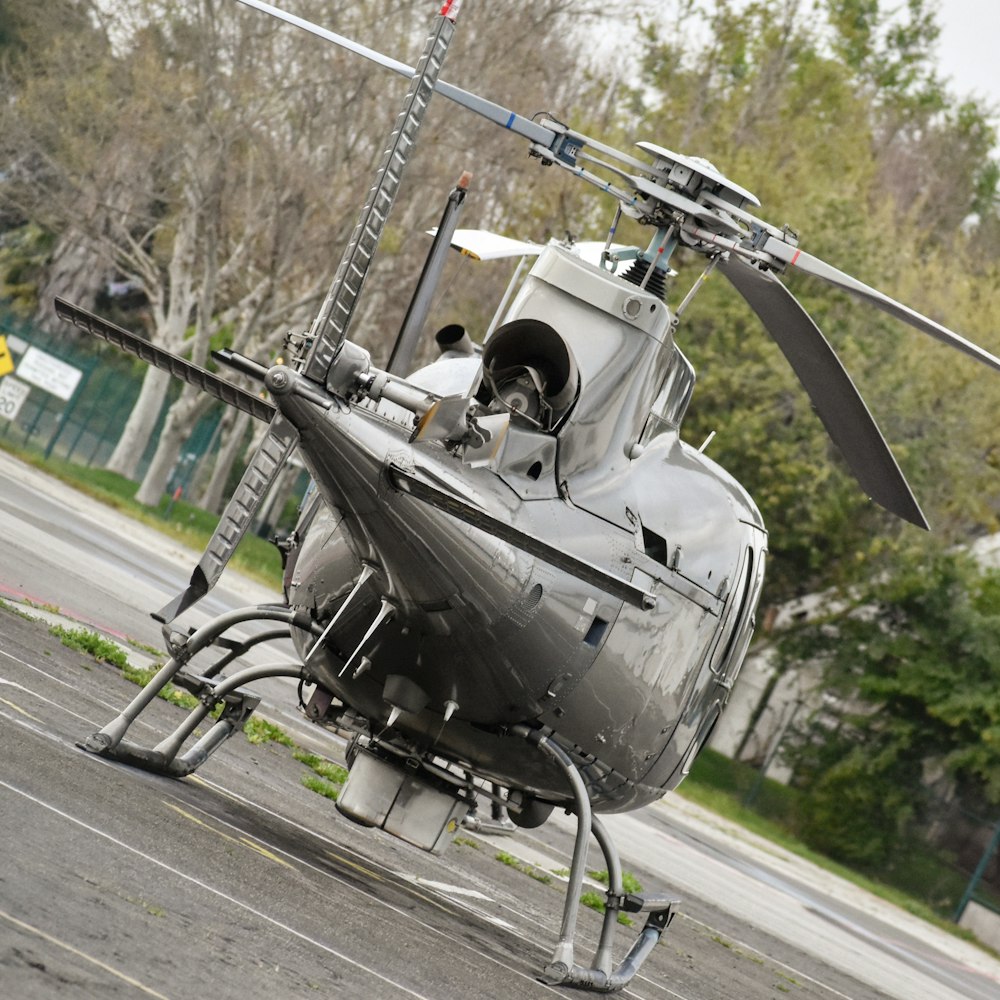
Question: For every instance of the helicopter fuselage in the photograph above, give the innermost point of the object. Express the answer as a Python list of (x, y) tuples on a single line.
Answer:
[(485, 633)]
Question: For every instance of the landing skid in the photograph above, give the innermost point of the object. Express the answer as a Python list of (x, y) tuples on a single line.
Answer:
[(211, 690), (238, 705), (660, 907)]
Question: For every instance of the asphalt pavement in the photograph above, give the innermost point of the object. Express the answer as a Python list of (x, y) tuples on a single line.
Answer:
[(241, 882)]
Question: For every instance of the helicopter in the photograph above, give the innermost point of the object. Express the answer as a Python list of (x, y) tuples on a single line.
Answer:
[(510, 578)]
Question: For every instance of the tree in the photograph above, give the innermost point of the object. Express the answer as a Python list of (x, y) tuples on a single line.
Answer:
[(221, 158), (396, 262), (839, 125), (911, 671)]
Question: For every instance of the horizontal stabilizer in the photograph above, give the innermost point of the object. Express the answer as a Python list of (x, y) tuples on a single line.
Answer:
[(180, 368)]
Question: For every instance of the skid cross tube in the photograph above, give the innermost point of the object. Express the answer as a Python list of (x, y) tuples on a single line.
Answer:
[(108, 741), (561, 969), (169, 747), (244, 647)]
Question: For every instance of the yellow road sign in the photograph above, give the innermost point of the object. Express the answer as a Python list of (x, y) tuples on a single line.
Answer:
[(6, 361)]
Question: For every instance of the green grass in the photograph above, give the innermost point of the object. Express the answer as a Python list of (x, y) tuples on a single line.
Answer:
[(320, 787), (93, 644), (105, 651), (597, 901), (322, 767), (721, 785), (537, 874), (15, 610), (259, 731), (629, 882), (326, 779)]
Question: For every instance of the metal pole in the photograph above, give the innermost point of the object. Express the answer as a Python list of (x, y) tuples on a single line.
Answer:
[(401, 358), (112, 409), (63, 419), (751, 796), (38, 416), (978, 873), (99, 396)]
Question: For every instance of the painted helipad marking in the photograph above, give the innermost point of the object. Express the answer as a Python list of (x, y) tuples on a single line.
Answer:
[(532, 942), (441, 903), (452, 890), (38, 932), (243, 841), (537, 855), (17, 708), (38, 670), (40, 697), (211, 889)]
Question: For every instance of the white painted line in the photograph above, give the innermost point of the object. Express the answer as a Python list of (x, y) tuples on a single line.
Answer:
[(371, 899), (81, 954), (211, 889)]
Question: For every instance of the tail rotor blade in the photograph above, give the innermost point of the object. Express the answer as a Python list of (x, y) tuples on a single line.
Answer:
[(836, 399), (279, 442), (805, 262)]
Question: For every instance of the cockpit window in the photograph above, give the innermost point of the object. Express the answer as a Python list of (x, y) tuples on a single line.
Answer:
[(671, 403)]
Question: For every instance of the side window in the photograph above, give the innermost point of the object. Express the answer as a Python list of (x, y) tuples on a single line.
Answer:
[(672, 400)]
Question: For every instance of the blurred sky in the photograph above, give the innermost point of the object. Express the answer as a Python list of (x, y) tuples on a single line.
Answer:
[(969, 48)]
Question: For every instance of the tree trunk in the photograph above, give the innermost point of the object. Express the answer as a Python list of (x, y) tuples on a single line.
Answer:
[(181, 418), (139, 426), (232, 444)]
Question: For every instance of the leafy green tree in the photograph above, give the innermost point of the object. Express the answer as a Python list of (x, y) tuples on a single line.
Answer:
[(833, 115), (910, 669), (217, 159)]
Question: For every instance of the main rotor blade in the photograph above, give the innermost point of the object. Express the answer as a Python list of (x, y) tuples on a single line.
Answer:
[(834, 396), (473, 102), (329, 330), (820, 269), (180, 368)]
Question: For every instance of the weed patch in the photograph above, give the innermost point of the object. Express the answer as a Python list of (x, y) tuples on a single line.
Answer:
[(15, 610), (258, 731), (322, 767), (320, 786), (598, 902), (508, 859), (85, 641)]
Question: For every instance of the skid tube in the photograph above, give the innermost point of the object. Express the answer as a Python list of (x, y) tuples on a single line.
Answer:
[(660, 907), (238, 705)]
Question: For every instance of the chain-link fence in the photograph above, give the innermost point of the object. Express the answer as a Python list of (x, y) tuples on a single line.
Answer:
[(71, 398)]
